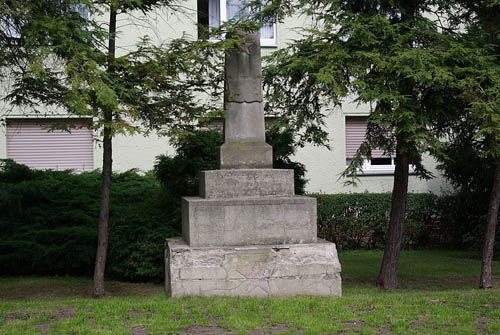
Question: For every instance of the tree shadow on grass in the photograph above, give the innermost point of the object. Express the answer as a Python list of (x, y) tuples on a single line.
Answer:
[(61, 287), (421, 284)]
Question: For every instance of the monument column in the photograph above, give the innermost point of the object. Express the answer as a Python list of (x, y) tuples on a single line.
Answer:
[(244, 129), (248, 234)]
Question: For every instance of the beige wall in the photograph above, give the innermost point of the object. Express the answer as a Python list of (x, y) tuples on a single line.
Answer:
[(323, 166)]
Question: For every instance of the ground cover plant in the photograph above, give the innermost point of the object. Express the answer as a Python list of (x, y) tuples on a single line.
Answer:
[(438, 296)]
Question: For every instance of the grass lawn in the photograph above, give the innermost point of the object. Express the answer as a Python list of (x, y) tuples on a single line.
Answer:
[(438, 296)]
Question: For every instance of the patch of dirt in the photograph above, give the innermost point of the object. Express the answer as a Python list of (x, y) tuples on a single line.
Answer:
[(122, 289), (59, 288), (44, 327), (16, 316), (481, 324), (138, 313), (352, 324), (281, 329), (59, 314), (11, 316), (62, 314), (139, 330), (203, 330), (382, 330)]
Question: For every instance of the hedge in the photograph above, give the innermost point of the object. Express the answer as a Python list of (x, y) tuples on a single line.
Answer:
[(49, 221), (355, 221)]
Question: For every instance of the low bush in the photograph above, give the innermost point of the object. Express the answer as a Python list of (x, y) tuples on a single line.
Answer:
[(355, 221), (360, 221), (49, 222), (49, 219)]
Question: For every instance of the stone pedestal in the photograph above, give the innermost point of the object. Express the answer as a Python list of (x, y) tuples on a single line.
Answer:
[(248, 234), (264, 270)]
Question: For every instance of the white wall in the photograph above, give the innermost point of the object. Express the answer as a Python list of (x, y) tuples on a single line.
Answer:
[(134, 151), (323, 166)]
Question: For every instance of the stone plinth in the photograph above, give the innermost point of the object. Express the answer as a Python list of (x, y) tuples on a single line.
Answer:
[(266, 270), (248, 221), (223, 184), (245, 155)]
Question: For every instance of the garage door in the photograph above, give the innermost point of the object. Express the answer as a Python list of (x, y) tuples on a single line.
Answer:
[(29, 142)]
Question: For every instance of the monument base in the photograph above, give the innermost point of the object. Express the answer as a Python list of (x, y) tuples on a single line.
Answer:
[(261, 270)]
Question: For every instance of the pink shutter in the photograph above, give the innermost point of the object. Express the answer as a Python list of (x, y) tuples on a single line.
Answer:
[(29, 142), (355, 133)]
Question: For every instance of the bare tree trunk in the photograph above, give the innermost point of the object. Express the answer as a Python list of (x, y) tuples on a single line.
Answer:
[(489, 238), (388, 271), (107, 168)]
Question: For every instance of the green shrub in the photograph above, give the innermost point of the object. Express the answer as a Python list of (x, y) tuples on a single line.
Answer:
[(49, 219), (49, 223), (463, 216), (360, 220)]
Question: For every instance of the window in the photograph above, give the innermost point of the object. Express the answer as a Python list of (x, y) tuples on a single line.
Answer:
[(82, 10), (29, 142), (211, 13), (355, 132)]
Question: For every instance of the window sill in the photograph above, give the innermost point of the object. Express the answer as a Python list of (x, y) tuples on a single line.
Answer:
[(263, 46), (376, 173), (368, 173)]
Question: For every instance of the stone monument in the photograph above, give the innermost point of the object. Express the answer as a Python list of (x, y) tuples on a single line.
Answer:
[(248, 234)]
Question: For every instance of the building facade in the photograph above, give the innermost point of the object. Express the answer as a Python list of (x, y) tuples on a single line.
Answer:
[(24, 136)]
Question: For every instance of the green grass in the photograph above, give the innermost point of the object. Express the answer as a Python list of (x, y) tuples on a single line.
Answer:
[(438, 296)]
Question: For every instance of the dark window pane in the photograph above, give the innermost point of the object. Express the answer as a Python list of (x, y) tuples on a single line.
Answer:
[(381, 161), (202, 19)]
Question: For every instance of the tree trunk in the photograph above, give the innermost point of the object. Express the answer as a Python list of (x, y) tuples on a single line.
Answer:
[(388, 271), (489, 238), (107, 168)]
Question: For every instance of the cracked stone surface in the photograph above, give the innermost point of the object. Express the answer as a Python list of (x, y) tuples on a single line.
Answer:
[(270, 270), (245, 144)]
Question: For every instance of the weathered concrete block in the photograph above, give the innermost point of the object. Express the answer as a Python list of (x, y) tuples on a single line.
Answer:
[(245, 155), (234, 183), (248, 221), (267, 270), (243, 73), (244, 122)]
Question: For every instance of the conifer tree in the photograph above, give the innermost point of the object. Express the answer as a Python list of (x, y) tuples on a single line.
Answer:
[(53, 56), (396, 56)]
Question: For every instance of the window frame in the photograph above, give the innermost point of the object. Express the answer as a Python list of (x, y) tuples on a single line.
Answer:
[(264, 42), (367, 168)]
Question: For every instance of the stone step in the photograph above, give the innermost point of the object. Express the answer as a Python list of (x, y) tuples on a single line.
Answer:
[(234, 183), (267, 270), (248, 221)]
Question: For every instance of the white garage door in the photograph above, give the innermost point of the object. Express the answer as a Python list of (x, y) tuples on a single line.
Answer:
[(29, 142)]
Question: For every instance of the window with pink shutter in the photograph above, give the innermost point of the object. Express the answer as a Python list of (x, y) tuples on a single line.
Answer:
[(31, 142), (355, 134)]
